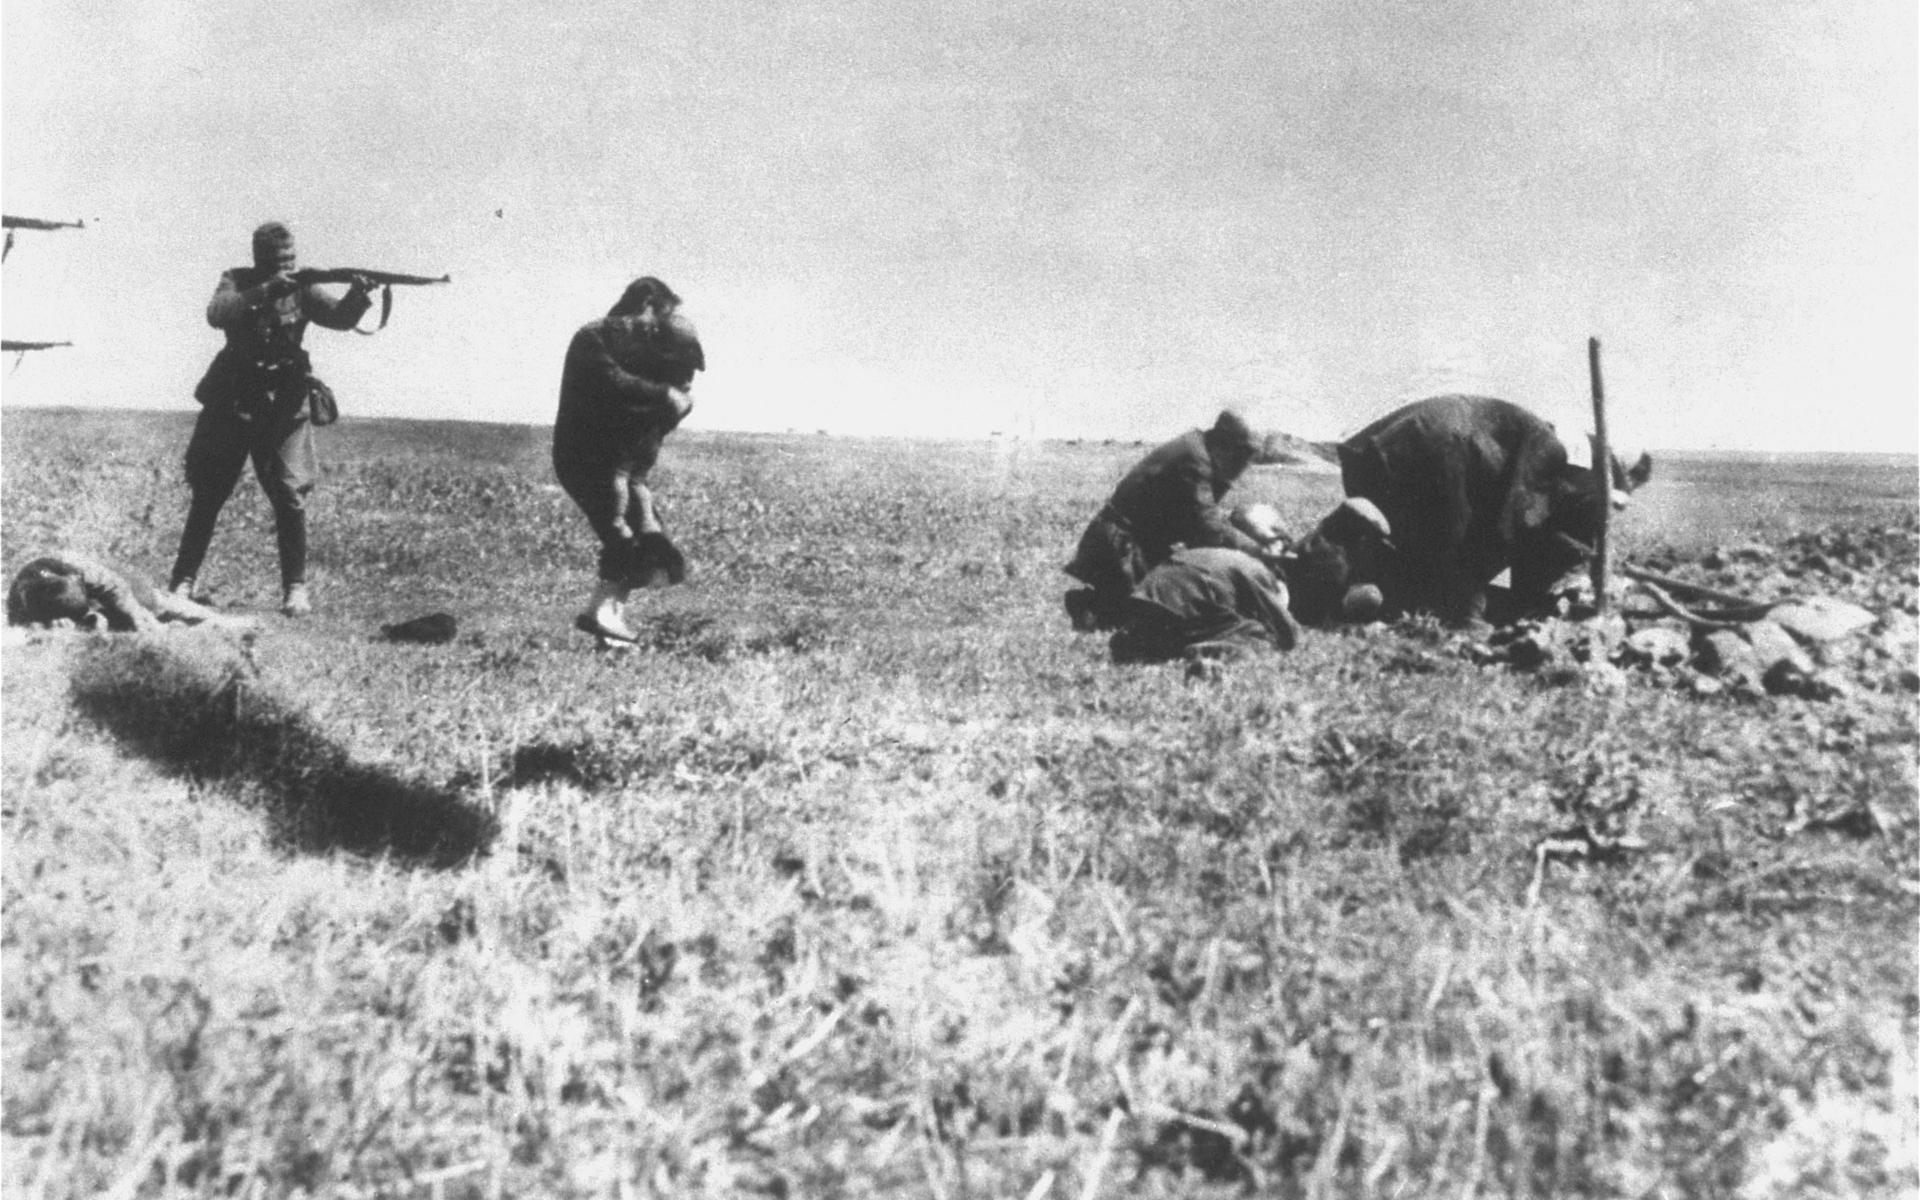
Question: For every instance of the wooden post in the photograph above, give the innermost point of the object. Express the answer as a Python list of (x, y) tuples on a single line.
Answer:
[(1603, 476)]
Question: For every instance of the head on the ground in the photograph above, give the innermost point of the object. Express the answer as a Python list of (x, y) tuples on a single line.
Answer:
[(273, 248), (1232, 444), (42, 597)]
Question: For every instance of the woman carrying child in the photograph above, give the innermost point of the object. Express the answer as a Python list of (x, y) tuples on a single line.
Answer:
[(622, 391)]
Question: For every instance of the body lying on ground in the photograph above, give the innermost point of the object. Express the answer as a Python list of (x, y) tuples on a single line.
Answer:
[(1473, 486), (91, 594), (1204, 601)]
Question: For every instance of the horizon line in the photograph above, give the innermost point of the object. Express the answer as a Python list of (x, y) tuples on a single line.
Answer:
[(902, 435)]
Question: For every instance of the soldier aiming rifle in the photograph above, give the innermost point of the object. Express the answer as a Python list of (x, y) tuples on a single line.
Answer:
[(260, 400)]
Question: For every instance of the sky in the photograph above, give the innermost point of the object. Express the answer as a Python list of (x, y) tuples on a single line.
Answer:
[(1081, 218)]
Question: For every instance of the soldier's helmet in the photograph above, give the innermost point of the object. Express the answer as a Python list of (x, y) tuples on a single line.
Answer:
[(271, 241)]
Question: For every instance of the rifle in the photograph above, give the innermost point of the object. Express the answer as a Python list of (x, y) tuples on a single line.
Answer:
[(13, 223), (386, 281), (9, 346), (308, 275)]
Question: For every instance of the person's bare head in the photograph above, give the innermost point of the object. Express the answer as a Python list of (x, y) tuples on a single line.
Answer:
[(647, 299)]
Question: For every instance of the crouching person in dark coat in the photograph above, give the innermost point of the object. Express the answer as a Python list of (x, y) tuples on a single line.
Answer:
[(1170, 498), (1205, 602), (1334, 574)]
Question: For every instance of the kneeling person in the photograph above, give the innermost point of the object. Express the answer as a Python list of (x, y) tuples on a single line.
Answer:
[(1334, 573), (1170, 498), (1206, 600)]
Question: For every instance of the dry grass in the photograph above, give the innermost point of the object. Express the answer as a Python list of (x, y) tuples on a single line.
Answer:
[(867, 878)]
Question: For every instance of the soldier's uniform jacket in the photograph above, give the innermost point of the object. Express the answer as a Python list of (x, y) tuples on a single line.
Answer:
[(1171, 497), (263, 365)]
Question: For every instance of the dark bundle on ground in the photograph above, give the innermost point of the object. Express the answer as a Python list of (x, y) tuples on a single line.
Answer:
[(433, 629)]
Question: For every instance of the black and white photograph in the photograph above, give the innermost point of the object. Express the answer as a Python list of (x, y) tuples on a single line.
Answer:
[(1010, 600)]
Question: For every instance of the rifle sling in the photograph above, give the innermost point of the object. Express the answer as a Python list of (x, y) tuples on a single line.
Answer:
[(386, 310)]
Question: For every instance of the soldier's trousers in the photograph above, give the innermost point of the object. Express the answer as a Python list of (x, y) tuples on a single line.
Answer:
[(281, 449)]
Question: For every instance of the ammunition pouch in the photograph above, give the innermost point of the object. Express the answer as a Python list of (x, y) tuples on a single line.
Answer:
[(321, 406), (256, 389)]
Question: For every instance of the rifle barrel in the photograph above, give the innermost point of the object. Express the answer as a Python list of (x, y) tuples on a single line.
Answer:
[(7, 347), (11, 222), (385, 278)]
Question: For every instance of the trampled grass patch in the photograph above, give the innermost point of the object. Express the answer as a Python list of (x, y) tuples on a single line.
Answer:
[(865, 877)]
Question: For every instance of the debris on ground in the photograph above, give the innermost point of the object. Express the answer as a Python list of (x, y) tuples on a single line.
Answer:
[(1826, 615), (432, 629)]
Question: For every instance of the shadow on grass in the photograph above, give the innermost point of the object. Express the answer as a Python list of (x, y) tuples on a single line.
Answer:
[(193, 703)]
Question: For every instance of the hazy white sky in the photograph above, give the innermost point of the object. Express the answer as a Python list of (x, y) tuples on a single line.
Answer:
[(1082, 218)]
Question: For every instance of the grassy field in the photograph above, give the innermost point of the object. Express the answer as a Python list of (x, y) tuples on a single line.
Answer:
[(869, 878)]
